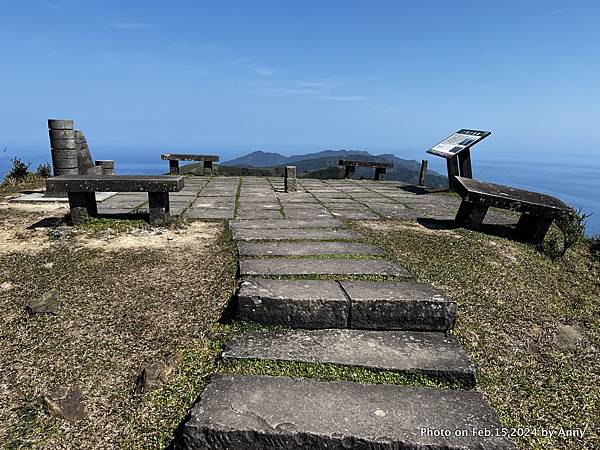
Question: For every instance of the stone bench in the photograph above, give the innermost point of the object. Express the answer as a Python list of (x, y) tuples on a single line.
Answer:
[(81, 191), (537, 210), (174, 159), (380, 167)]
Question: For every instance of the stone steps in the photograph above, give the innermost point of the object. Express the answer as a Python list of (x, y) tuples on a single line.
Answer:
[(294, 234), (313, 266), (408, 352), (284, 223), (260, 412), (315, 248), (347, 304)]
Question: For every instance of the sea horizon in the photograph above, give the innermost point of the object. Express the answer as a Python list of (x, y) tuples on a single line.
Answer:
[(572, 177)]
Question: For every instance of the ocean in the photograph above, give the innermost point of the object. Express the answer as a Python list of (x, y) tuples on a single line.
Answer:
[(574, 177)]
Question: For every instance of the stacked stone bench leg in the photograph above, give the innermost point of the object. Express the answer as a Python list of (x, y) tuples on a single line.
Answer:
[(174, 158), (338, 318)]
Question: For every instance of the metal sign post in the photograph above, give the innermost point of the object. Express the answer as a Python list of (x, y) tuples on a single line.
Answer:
[(456, 148)]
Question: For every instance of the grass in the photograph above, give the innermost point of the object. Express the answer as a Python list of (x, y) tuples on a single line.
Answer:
[(333, 372), (121, 309), (512, 302), (95, 224)]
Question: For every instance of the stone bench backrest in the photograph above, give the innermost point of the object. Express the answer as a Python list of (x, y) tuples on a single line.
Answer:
[(376, 164), (182, 157)]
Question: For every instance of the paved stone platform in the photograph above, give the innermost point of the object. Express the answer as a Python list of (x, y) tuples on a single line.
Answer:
[(258, 412), (306, 248), (255, 198), (409, 352), (313, 266)]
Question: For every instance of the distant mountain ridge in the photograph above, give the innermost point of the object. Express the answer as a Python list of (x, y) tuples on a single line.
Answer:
[(324, 164)]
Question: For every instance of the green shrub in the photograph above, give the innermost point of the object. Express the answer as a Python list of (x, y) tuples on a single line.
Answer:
[(44, 170), (594, 244), (19, 170), (571, 229)]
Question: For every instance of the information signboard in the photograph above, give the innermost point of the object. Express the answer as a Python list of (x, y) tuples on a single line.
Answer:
[(458, 142)]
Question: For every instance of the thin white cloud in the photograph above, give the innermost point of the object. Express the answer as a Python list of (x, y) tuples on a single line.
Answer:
[(343, 98), (290, 91), (261, 70), (29, 43), (321, 84), (551, 13), (248, 62), (131, 26)]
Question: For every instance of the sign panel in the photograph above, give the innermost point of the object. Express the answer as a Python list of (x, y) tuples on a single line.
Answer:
[(458, 142)]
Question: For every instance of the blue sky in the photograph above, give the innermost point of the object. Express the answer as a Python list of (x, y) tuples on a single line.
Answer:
[(376, 75)]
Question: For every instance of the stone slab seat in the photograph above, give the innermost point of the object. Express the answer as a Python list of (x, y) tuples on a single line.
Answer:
[(351, 165), (174, 159), (537, 210), (435, 355), (260, 412), (81, 191)]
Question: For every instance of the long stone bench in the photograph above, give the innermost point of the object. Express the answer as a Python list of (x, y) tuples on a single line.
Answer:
[(537, 210), (174, 159), (380, 167), (81, 191)]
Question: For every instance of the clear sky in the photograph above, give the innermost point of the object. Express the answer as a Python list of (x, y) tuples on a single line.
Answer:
[(377, 75)]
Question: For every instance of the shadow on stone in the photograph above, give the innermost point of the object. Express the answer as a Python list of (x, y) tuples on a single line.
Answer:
[(416, 190), (230, 311), (48, 222)]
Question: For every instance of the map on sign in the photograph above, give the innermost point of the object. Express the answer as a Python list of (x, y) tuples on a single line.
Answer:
[(457, 142)]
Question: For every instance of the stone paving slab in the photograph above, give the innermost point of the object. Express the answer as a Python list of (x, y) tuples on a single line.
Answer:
[(260, 412), (209, 213), (408, 352), (286, 223), (311, 266), (295, 303), (354, 214), (258, 214), (399, 306), (305, 248), (287, 234), (307, 214), (114, 211)]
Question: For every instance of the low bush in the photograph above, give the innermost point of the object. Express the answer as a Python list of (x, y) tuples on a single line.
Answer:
[(44, 171), (19, 173), (571, 229)]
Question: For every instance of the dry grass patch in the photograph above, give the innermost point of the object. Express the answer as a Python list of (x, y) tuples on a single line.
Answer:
[(531, 324), (127, 299)]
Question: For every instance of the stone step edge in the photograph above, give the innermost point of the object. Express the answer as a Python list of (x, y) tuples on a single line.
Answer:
[(456, 378), (254, 412), (341, 312)]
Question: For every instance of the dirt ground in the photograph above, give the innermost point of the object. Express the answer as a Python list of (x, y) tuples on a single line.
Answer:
[(128, 297)]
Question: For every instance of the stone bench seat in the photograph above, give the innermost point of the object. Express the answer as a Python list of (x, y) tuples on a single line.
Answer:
[(351, 165), (174, 159), (537, 210), (81, 191)]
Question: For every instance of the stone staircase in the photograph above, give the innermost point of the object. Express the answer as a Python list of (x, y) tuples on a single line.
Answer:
[(340, 317)]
